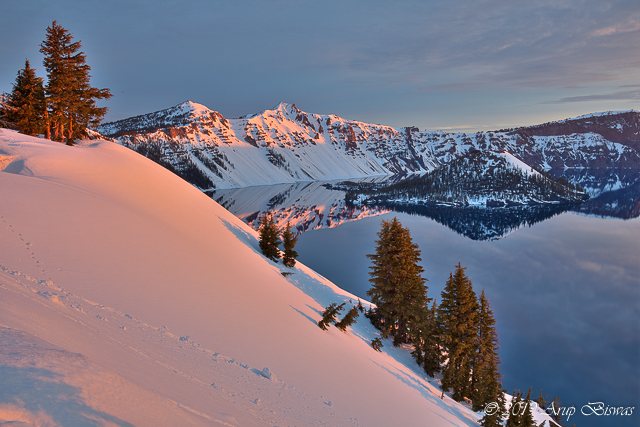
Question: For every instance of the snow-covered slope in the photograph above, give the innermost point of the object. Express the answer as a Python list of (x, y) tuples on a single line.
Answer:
[(285, 145), (128, 297), (281, 145)]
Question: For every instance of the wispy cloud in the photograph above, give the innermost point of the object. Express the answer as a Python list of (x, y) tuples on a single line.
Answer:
[(492, 43), (630, 25), (425, 58), (625, 95)]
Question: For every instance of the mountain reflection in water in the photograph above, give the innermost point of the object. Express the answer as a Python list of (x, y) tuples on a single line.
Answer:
[(615, 193), (563, 287)]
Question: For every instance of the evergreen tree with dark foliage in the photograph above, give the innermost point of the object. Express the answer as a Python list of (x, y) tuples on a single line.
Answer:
[(71, 101), (329, 315), (527, 413), (398, 289), (349, 319), (556, 404), (458, 322), (426, 351), (4, 110), (269, 240), (515, 410), (494, 418), (520, 412), (486, 378), (289, 241), (24, 108), (541, 401), (376, 344)]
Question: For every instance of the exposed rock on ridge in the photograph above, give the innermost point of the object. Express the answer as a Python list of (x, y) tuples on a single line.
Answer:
[(286, 145)]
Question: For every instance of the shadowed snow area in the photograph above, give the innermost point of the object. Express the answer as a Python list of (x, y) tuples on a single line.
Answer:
[(128, 297)]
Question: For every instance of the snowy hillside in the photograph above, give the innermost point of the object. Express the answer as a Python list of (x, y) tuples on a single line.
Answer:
[(128, 297), (286, 145)]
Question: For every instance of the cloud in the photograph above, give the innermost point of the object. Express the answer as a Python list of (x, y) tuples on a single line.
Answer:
[(488, 43), (625, 95), (632, 24), (411, 57)]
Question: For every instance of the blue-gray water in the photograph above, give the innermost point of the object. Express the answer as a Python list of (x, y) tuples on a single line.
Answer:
[(565, 291)]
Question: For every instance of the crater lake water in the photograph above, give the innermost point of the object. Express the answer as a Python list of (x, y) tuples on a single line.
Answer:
[(565, 291)]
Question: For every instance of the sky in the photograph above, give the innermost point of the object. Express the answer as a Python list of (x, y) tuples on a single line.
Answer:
[(465, 65)]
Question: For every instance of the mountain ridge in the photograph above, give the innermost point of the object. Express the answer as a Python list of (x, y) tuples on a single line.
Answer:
[(285, 144)]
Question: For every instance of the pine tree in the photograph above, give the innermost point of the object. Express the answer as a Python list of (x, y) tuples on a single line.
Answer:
[(398, 289), (289, 242), (515, 410), (458, 322), (71, 101), (24, 107), (520, 413), (329, 315), (426, 342), (486, 378), (541, 401), (527, 414), (349, 319), (269, 240), (556, 404), (376, 344), (4, 110), (494, 418)]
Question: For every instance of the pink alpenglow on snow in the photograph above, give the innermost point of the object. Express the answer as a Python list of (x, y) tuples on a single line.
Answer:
[(128, 297)]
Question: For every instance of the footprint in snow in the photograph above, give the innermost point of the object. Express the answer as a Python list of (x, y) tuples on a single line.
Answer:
[(266, 372)]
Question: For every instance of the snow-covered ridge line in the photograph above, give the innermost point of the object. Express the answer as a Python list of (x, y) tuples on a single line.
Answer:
[(286, 145), (603, 113)]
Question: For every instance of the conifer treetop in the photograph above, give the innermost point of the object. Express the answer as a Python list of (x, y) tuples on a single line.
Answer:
[(398, 289), (24, 107), (71, 101)]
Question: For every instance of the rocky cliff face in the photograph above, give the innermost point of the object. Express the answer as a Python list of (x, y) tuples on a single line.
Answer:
[(286, 145)]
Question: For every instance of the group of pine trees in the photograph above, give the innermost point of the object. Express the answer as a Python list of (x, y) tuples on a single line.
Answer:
[(478, 174), (270, 241), (64, 108), (457, 338), (329, 316)]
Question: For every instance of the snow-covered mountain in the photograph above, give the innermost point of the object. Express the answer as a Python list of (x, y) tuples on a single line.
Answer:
[(285, 145), (481, 178), (128, 297)]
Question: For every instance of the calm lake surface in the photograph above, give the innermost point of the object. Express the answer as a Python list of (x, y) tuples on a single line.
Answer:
[(565, 291)]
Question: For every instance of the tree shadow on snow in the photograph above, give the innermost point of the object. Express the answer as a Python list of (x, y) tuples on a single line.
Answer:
[(305, 315), (323, 294), (447, 404), (41, 390), (242, 235)]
